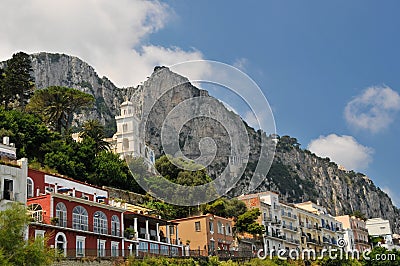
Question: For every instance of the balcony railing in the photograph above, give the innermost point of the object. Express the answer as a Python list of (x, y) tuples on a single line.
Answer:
[(70, 224), (289, 227)]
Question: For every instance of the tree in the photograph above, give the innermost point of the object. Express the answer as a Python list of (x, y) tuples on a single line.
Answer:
[(13, 248), (56, 105), (18, 81), (110, 170), (246, 222), (228, 208), (182, 172), (28, 133), (95, 130)]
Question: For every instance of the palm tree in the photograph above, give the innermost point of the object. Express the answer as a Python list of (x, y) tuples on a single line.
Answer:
[(56, 105), (95, 130)]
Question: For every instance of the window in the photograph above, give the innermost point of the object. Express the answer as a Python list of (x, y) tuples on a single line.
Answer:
[(36, 212), (61, 243), (8, 190), (100, 223), (39, 234), (220, 229), (80, 246), (124, 127), (154, 248), (171, 230), (143, 246), (61, 214), (80, 218), (125, 144), (197, 226), (114, 249), (228, 229), (101, 248), (164, 250), (212, 246), (29, 188), (115, 225), (211, 223)]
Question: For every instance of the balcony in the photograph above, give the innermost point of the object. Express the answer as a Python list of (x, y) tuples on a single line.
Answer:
[(276, 221), (293, 241), (289, 215), (274, 235), (56, 222), (288, 227), (359, 241), (313, 241), (327, 227)]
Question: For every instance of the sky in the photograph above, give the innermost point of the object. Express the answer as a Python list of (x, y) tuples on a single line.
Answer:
[(329, 69)]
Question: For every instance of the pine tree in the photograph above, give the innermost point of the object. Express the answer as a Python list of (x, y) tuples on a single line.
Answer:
[(18, 82)]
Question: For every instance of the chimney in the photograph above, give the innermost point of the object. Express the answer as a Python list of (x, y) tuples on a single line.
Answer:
[(6, 141)]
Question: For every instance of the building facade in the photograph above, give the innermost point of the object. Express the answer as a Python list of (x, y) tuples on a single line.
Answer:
[(358, 228), (81, 220), (13, 175), (74, 217), (128, 139), (321, 229), (378, 227), (206, 234)]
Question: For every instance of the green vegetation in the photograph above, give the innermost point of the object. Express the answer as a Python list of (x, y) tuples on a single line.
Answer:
[(226, 208), (14, 250), (247, 222), (57, 105), (95, 130), (16, 82)]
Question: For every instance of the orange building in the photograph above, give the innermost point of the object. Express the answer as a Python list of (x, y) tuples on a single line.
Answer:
[(206, 234)]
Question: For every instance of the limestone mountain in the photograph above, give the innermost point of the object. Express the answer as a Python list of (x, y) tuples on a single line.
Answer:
[(297, 174)]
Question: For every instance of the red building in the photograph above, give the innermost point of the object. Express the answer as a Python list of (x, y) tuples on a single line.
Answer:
[(75, 217), (80, 220)]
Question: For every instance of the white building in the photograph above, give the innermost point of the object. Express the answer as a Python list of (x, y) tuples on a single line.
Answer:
[(379, 227), (129, 141), (13, 175)]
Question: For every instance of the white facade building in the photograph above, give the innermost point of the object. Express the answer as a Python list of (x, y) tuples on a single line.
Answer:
[(129, 141), (380, 227), (13, 176)]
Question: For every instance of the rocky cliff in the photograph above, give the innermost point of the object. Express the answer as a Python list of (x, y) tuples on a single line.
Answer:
[(64, 70), (296, 173)]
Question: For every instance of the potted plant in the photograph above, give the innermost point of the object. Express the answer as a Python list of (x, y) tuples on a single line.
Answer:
[(129, 233), (54, 220)]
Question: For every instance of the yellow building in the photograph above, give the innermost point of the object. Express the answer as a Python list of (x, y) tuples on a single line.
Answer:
[(206, 234), (321, 230)]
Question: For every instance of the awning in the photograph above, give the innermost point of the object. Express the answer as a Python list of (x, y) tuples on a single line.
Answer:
[(63, 189)]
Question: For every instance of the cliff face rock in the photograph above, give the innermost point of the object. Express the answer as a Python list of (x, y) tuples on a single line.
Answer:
[(64, 70), (297, 174)]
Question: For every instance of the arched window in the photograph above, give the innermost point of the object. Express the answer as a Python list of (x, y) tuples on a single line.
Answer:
[(36, 212), (61, 214), (100, 223), (80, 218), (61, 243), (29, 187), (115, 226)]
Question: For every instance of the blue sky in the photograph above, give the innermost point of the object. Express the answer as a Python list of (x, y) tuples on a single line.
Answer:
[(311, 59)]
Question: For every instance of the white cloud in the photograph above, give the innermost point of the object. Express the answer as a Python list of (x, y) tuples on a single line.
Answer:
[(344, 150), (373, 110), (110, 35), (241, 63)]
